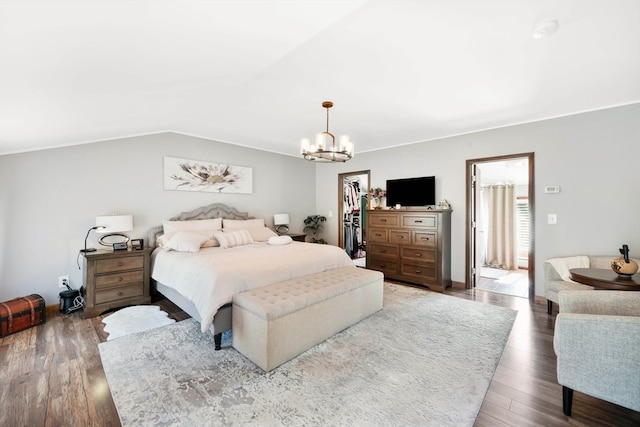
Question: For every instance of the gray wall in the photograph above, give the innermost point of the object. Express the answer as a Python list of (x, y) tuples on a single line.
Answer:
[(594, 158), (50, 198)]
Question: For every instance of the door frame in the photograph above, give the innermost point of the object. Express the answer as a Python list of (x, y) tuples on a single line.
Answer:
[(341, 178), (470, 278)]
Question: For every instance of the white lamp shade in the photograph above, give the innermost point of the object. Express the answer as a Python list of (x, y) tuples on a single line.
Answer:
[(114, 223), (281, 219)]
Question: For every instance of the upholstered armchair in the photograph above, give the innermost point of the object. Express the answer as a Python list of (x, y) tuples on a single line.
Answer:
[(597, 342)]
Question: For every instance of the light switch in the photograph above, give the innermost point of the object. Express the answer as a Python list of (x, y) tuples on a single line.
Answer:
[(552, 219), (330, 214)]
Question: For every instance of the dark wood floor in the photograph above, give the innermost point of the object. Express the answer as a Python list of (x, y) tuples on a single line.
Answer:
[(51, 375)]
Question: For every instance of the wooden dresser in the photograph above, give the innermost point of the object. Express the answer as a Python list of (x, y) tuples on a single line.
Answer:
[(115, 279), (411, 245)]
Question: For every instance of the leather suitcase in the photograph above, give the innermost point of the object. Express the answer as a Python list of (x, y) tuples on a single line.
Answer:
[(21, 313)]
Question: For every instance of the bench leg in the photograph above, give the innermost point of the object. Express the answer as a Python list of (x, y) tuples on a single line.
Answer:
[(217, 339), (549, 306), (567, 399)]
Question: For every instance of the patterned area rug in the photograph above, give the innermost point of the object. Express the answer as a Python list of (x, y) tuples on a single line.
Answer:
[(131, 320), (425, 359)]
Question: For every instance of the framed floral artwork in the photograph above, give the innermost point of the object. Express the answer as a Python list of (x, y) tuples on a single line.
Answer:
[(195, 175)]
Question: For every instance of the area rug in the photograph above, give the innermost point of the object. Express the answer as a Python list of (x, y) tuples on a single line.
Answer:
[(131, 320), (425, 359)]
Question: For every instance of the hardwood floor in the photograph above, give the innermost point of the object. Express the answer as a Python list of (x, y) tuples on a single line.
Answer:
[(51, 375)]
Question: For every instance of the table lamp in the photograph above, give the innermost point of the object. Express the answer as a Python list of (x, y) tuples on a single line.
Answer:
[(281, 222)]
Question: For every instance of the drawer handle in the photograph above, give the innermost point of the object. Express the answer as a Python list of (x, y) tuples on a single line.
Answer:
[(383, 220), (120, 293), (383, 265), (383, 251), (418, 271), (418, 221), (400, 237), (378, 235), (424, 238), (119, 279), (418, 254), (120, 264)]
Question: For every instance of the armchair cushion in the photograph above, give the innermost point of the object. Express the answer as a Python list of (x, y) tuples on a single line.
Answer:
[(597, 341)]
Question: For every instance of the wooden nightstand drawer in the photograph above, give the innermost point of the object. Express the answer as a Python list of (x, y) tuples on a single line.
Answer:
[(400, 237), (120, 279), (430, 221), (121, 292), (420, 238), (382, 250), (119, 264), (421, 254), (383, 220), (377, 235)]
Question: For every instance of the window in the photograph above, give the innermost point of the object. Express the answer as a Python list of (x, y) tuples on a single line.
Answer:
[(522, 227)]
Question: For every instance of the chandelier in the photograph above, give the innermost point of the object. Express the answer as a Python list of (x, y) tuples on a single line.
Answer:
[(325, 149)]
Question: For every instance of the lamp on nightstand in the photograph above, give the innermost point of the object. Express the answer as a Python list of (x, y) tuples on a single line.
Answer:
[(97, 227), (113, 225), (281, 222)]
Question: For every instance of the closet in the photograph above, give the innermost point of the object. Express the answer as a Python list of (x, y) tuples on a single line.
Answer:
[(353, 206)]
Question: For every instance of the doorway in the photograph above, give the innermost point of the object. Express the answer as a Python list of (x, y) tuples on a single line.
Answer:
[(352, 214), (500, 198)]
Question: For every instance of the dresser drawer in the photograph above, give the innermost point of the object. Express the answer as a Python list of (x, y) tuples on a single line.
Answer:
[(400, 237), (421, 238), (119, 264), (376, 235), (421, 254), (382, 250), (419, 271), (118, 279), (114, 294), (383, 220), (430, 221), (383, 265)]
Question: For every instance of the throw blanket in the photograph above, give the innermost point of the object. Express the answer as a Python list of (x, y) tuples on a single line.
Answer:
[(211, 277), (563, 265)]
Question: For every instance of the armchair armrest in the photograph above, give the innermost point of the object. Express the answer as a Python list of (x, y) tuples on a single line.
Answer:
[(620, 303)]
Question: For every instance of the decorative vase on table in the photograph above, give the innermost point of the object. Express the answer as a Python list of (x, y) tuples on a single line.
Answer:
[(623, 265), (376, 194)]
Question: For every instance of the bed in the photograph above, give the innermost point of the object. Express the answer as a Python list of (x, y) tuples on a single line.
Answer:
[(202, 282)]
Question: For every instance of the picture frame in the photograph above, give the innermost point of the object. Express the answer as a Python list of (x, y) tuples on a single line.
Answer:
[(197, 175), (137, 244)]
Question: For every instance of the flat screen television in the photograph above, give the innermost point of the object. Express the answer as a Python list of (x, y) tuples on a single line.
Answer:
[(411, 191)]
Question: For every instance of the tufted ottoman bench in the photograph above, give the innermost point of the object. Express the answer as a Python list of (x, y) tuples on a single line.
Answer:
[(274, 324)]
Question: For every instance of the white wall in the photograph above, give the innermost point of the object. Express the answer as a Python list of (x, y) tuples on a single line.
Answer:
[(50, 198), (594, 158)]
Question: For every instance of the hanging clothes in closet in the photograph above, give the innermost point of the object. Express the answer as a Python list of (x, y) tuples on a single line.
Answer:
[(353, 242)]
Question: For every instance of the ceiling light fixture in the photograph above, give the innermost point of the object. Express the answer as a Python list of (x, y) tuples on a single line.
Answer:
[(325, 149), (545, 29)]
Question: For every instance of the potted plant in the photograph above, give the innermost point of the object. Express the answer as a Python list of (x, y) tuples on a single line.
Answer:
[(312, 226), (376, 194)]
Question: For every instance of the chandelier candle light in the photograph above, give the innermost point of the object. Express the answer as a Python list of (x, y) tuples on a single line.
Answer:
[(325, 149)]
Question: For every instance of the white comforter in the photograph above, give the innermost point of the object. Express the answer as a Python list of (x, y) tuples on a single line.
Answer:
[(211, 277)]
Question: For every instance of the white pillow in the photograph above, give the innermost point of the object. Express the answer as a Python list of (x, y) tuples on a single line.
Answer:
[(280, 240), (185, 241), (233, 238), (261, 234), (203, 226), (242, 224)]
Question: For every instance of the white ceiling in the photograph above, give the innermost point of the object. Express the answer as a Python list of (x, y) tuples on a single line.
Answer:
[(255, 73)]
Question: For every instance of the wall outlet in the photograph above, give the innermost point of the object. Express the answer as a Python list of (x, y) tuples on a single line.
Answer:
[(63, 281)]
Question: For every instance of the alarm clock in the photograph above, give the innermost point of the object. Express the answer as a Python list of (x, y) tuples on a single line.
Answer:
[(120, 246)]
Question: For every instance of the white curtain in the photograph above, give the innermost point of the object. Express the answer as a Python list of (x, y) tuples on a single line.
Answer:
[(501, 231)]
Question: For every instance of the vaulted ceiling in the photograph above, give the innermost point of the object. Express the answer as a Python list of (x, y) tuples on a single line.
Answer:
[(255, 73)]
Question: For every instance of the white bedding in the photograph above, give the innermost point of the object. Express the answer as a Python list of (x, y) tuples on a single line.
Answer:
[(211, 277)]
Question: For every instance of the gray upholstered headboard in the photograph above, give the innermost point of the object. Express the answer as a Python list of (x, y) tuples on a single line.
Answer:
[(214, 210)]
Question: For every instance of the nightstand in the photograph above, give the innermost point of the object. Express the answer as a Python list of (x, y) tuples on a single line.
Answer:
[(115, 279), (296, 237)]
